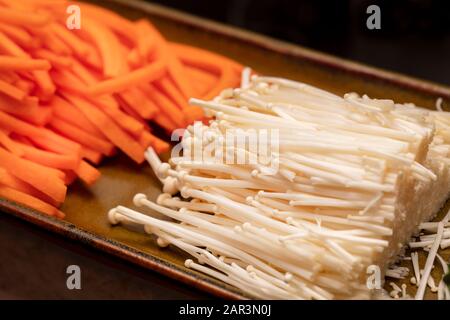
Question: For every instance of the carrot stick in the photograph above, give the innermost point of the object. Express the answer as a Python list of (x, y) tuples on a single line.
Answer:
[(69, 113), (35, 174), (51, 141), (30, 201), (110, 19), (82, 137), (17, 17), (148, 73), (87, 173), (8, 46), (12, 91), (23, 64), (12, 124), (165, 105), (137, 101), (19, 36), (164, 122), (10, 145), (11, 181), (107, 44), (54, 59), (49, 159), (93, 156), (109, 128)]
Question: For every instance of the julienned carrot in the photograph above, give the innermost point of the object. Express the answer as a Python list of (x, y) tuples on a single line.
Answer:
[(23, 64), (165, 105), (13, 124), (109, 128), (9, 144), (8, 46), (69, 113), (87, 173), (196, 56), (107, 44), (18, 35), (123, 120), (50, 159), (174, 66), (147, 139), (51, 141), (11, 181), (165, 122), (54, 59), (137, 101), (115, 22), (80, 48), (76, 134), (17, 17), (136, 77), (45, 84), (191, 113), (203, 81), (30, 201), (93, 156), (38, 176), (12, 91)]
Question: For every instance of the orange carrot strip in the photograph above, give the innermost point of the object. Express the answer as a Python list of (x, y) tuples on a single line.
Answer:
[(69, 113), (165, 122), (76, 134), (191, 113), (10, 145), (49, 159), (21, 64), (18, 35), (137, 101), (166, 105), (53, 58), (70, 176), (110, 19), (35, 174), (109, 128), (68, 81), (195, 56), (12, 124), (8, 46), (30, 201), (87, 173), (25, 85), (93, 156), (79, 47), (52, 141), (17, 17), (107, 44), (147, 139), (11, 181), (174, 66), (148, 73), (12, 91), (202, 81), (45, 83)]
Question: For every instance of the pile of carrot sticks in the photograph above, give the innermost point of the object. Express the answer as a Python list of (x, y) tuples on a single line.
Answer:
[(70, 97)]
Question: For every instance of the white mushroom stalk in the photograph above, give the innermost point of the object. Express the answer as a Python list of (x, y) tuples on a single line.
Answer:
[(291, 192)]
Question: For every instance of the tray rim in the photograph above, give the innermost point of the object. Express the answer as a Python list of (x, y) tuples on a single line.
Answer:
[(148, 261)]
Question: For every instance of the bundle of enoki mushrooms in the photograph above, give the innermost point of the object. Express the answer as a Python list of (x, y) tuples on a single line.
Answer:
[(344, 188)]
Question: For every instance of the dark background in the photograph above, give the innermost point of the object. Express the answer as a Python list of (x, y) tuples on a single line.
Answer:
[(414, 39)]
